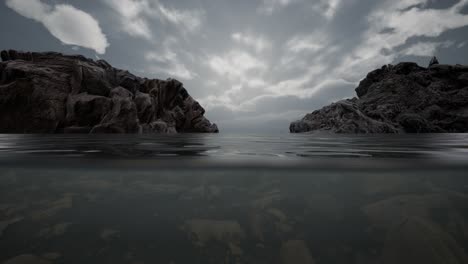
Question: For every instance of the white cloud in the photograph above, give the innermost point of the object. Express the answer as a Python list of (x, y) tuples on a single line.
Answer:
[(165, 56), (268, 7), (425, 49), (174, 69), (239, 77), (236, 64), (328, 8), (131, 13), (312, 43), (136, 16), (68, 24), (313, 80), (406, 19), (166, 61), (256, 83), (258, 43), (190, 21)]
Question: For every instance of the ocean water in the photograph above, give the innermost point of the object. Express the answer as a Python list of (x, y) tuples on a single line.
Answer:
[(300, 199)]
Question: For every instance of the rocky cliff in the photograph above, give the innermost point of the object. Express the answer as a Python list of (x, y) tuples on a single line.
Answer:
[(403, 98), (54, 93)]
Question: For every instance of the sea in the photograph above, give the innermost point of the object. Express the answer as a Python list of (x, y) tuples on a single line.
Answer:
[(232, 198)]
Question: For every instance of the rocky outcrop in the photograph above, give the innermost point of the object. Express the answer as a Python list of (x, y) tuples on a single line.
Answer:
[(54, 93), (403, 98)]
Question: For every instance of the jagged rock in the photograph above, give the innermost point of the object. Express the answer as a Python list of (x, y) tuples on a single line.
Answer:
[(157, 127), (122, 118), (145, 106), (53, 93), (120, 92), (85, 110), (403, 98), (4, 55), (433, 61)]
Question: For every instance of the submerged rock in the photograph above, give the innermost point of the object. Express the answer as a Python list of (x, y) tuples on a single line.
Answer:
[(205, 230), (403, 98), (54, 93), (27, 259), (5, 223), (297, 252), (412, 231), (419, 241)]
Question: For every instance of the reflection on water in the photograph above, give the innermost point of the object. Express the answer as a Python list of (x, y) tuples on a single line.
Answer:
[(193, 199), (451, 146)]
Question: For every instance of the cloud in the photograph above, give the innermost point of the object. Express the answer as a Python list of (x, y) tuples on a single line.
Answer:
[(312, 42), (425, 49), (238, 75), (174, 70), (258, 43), (166, 61), (189, 21), (268, 7), (131, 13), (68, 24), (236, 64), (327, 8), (136, 16), (391, 25), (332, 8)]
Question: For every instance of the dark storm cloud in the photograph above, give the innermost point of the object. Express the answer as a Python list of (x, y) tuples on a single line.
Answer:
[(255, 65)]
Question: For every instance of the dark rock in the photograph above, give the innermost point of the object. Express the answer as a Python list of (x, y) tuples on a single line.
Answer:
[(463, 79), (404, 98), (86, 110), (155, 127), (95, 81), (4, 55), (122, 118), (145, 107), (54, 93), (344, 117), (120, 92), (434, 61)]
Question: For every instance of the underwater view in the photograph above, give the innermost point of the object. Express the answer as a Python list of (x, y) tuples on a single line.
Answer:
[(233, 199)]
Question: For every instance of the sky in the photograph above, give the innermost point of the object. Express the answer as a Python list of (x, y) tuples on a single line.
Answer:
[(254, 65)]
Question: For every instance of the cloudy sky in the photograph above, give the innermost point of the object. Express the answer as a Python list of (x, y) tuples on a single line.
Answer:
[(255, 65)]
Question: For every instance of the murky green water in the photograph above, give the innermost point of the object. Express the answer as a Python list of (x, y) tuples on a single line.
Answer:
[(202, 199)]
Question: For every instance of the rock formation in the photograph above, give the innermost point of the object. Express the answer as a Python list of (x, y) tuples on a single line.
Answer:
[(434, 61), (54, 93), (403, 98)]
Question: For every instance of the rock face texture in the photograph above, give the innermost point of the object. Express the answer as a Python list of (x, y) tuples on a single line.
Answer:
[(403, 98), (55, 93)]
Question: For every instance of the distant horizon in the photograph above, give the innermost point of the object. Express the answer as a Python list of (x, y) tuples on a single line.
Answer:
[(253, 65)]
